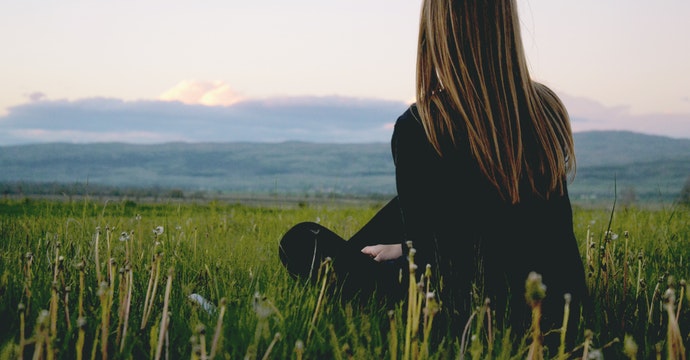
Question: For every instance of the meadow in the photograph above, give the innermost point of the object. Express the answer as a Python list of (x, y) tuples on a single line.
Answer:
[(86, 279)]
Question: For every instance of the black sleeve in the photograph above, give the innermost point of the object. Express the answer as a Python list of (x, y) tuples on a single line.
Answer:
[(415, 163)]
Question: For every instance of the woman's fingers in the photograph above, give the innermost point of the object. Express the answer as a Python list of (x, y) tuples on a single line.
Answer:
[(383, 252), (372, 250)]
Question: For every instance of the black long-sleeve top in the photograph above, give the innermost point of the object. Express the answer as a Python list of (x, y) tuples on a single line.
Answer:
[(459, 224)]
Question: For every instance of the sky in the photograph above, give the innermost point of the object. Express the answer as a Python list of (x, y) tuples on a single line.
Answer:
[(87, 71)]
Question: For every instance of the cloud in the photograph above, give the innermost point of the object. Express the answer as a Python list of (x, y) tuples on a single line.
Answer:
[(588, 115), (43, 135), (330, 119), (314, 119), (210, 93), (36, 96)]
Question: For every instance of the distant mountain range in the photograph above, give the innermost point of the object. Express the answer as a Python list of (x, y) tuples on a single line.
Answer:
[(642, 167)]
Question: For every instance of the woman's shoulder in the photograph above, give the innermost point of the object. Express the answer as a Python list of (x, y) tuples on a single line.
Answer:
[(410, 138), (409, 121)]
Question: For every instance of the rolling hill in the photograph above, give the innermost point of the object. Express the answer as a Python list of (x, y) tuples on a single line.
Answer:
[(642, 167)]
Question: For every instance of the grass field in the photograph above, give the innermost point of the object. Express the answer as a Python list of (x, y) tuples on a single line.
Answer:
[(87, 279)]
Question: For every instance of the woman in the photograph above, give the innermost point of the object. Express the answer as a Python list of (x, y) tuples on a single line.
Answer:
[(481, 163)]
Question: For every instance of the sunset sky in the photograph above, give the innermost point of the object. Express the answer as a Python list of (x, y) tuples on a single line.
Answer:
[(619, 64)]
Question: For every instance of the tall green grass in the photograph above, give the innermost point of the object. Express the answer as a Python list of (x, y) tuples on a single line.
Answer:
[(86, 280)]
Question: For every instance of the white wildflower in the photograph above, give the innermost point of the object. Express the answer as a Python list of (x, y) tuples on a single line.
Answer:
[(205, 304), (261, 306)]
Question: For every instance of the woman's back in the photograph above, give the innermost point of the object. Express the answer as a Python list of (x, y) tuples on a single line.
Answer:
[(478, 242)]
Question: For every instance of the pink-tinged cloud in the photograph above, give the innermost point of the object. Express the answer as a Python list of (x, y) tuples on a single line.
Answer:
[(36, 96), (194, 92), (587, 115)]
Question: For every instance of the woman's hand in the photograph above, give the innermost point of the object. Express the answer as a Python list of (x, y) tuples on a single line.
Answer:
[(383, 252)]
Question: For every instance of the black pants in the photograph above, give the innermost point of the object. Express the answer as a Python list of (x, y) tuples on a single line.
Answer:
[(307, 244)]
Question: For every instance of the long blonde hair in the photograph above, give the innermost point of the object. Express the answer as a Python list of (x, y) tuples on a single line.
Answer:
[(473, 85)]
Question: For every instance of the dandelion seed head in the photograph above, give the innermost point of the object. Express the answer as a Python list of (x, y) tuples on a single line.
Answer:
[(21, 307), (299, 345), (261, 306), (158, 230), (535, 290), (611, 235), (124, 236), (567, 297), (137, 217), (42, 316), (595, 354), (669, 298)]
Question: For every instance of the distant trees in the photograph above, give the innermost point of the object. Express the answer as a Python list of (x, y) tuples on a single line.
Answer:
[(69, 190), (176, 194)]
